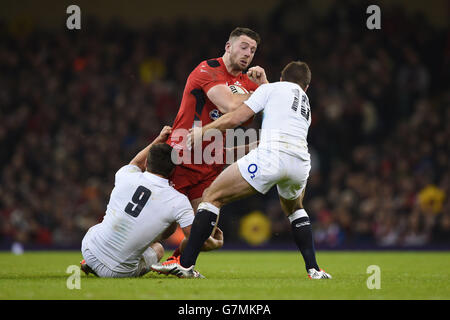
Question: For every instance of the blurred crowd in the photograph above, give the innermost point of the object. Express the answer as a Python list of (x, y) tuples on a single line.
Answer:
[(77, 105)]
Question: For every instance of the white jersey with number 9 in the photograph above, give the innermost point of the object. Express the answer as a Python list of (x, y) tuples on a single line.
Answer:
[(141, 206)]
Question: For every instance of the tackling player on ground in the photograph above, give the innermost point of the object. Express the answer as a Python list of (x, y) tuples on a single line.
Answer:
[(281, 158), (206, 97), (141, 210)]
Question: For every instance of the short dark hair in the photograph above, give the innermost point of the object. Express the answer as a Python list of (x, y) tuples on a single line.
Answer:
[(159, 159), (239, 31), (297, 72)]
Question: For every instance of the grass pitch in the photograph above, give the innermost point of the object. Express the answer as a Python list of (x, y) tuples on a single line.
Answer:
[(238, 275)]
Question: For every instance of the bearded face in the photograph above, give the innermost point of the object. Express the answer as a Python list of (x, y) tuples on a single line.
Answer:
[(241, 51)]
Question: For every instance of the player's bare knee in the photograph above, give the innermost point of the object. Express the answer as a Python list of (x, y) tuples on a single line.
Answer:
[(213, 197), (159, 249)]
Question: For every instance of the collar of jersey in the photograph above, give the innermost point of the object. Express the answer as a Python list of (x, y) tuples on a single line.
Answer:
[(154, 177)]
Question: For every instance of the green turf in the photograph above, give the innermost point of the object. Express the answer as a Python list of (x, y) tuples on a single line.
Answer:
[(240, 275)]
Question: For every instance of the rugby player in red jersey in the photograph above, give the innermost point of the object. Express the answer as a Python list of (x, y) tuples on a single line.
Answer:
[(206, 97)]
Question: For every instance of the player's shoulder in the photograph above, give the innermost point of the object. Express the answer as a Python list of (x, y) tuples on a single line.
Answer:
[(127, 170), (208, 66), (211, 63), (284, 85), (208, 70), (179, 198)]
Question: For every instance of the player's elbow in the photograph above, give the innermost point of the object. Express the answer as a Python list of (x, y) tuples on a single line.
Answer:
[(227, 107)]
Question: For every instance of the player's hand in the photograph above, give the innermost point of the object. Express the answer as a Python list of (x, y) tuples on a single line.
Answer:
[(194, 137), (257, 75), (215, 241), (164, 134), (217, 234)]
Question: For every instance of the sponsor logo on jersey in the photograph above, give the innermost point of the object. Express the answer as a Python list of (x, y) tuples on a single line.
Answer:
[(215, 114)]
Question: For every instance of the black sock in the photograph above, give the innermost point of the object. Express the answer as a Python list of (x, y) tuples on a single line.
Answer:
[(302, 231), (202, 227)]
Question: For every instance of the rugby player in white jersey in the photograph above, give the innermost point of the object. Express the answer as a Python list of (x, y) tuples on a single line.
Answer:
[(281, 159), (143, 208)]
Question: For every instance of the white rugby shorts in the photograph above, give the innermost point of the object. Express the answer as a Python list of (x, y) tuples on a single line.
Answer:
[(263, 168)]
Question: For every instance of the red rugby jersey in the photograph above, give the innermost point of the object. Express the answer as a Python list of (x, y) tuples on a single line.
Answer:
[(195, 105)]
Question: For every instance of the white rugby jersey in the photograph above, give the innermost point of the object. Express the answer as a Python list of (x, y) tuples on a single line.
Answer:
[(286, 118), (141, 206)]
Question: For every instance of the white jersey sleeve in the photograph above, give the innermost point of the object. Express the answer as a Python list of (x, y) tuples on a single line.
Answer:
[(185, 214), (258, 99)]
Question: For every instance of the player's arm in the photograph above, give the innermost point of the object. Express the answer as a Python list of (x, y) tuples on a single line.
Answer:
[(227, 121), (231, 120), (245, 111), (214, 241), (140, 159), (257, 75), (224, 99)]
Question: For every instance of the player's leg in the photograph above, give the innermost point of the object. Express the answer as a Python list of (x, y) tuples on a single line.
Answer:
[(292, 205), (151, 255), (195, 203), (256, 172), (291, 191), (229, 186), (91, 264), (85, 252), (182, 180), (301, 228), (194, 193), (158, 249)]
